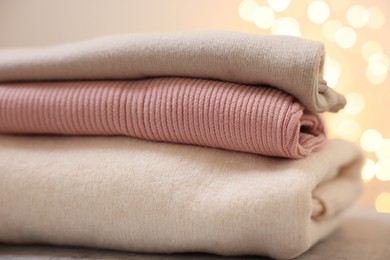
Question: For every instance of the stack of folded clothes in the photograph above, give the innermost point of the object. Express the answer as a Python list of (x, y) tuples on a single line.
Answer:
[(172, 142)]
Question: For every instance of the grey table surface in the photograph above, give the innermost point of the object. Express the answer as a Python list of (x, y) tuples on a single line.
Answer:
[(363, 235)]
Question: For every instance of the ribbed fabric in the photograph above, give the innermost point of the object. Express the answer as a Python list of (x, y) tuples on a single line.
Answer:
[(291, 64), (179, 110)]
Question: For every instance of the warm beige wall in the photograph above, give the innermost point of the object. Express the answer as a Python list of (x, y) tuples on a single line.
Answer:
[(40, 22)]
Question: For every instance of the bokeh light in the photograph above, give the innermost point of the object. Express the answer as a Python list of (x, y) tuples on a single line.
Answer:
[(279, 5), (247, 9), (355, 103), (318, 12), (370, 139), (286, 26), (378, 64), (332, 71), (264, 17), (382, 203), (376, 18), (371, 47), (349, 130), (375, 78), (369, 170), (357, 16), (345, 37), (383, 170), (329, 29)]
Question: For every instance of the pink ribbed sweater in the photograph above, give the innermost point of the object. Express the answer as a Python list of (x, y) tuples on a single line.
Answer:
[(179, 110)]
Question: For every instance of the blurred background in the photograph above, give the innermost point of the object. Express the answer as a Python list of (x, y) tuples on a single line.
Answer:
[(356, 34)]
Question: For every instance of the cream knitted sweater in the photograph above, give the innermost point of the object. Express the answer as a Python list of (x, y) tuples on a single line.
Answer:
[(129, 194)]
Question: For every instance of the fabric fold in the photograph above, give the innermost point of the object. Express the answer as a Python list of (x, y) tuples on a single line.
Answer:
[(180, 110), (129, 194), (291, 64)]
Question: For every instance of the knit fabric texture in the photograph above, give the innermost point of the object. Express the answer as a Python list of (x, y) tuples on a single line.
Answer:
[(181, 110), (292, 64), (129, 194)]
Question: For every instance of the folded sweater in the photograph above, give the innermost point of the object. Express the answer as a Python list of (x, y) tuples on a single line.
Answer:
[(180, 110), (292, 64), (128, 194)]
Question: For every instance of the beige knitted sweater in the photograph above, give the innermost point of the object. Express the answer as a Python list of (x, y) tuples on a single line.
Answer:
[(292, 64)]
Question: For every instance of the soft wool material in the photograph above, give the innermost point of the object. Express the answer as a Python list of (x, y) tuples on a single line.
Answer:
[(180, 110), (292, 64), (363, 235), (130, 194)]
